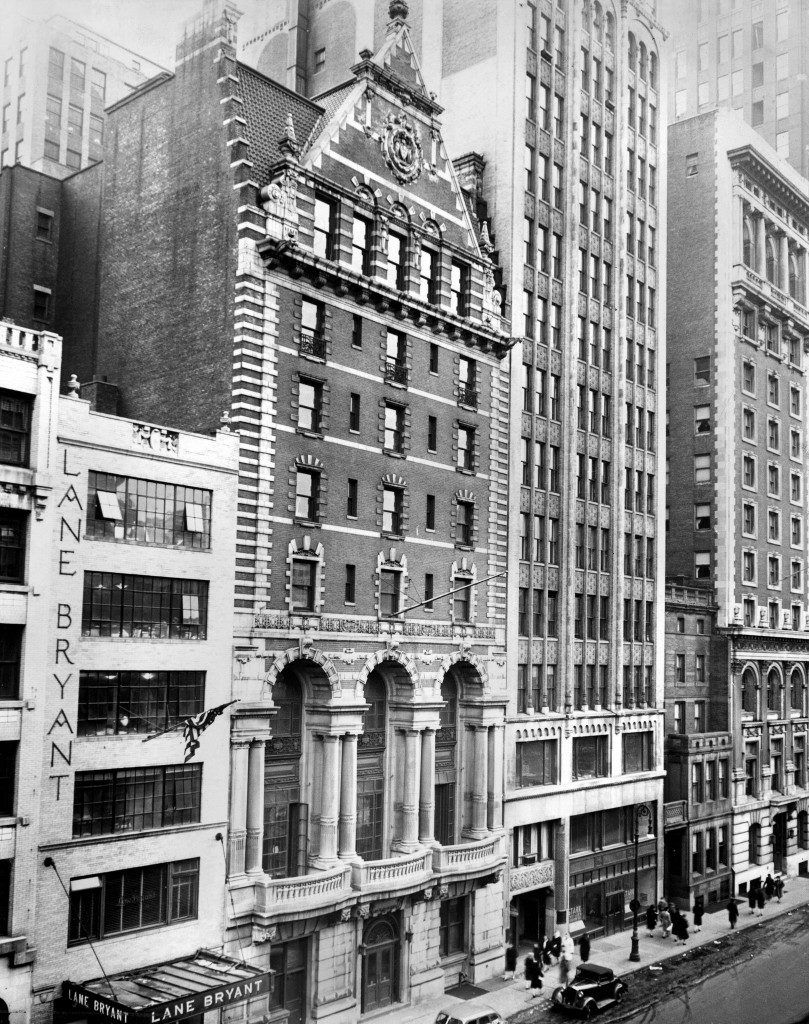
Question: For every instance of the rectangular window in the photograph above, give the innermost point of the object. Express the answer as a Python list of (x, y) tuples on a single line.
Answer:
[(465, 523), (354, 412), (396, 370), (12, 545), (465, 458), (312, 341), (394, 425), (302, 585), (10, 656), (427, 275), (323, 239), (452, 926), (352, 502), (307, 494), (702, 469), (78, 72), (350, 584), (310, 402), (392, 503), (430, 512), (429, 590), (15, 428), (131, 900), (98, 86), (590, 760), (43, 304), (361, 245), (117, 605), (112, 703), (395, 261), (537, 763), (702, 371), (638, 752), (390, 585), (136, 799)]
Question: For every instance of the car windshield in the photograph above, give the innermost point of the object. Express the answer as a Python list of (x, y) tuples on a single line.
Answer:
[(444, 1018)]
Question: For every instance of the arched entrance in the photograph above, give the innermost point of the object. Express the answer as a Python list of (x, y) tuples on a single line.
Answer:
[(380, 963), (446, 741), (285, 817)]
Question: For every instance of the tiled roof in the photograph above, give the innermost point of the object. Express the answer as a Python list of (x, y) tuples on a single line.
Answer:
[(266, 105), (330, 102)]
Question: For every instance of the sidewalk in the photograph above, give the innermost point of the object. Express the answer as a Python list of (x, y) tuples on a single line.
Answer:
[(509, 997)]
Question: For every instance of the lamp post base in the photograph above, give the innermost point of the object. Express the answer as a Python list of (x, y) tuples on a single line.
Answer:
[(634, 952)]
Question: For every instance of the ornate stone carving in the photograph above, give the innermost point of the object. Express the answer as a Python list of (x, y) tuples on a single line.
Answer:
[(281, 205), (264, 934), (144, 435), (401, 147)]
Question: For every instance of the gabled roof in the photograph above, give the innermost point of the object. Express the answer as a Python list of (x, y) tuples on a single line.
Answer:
[(266, 106)]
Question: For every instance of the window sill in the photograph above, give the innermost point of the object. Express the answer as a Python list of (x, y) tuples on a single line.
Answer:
[(314, 523), (130, 542), (393, 453), (304, 432)]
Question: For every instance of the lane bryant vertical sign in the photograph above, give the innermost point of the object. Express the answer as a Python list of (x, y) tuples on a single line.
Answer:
[(70, 511)]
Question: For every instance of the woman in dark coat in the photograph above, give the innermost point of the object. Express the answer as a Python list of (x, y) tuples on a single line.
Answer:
[(751, 900), (584, 947), (760, 901), (530, 973), (651, 919), (511, 961), (779, 888), (679, 926), (769, 887), (733, 913), (698, 912)]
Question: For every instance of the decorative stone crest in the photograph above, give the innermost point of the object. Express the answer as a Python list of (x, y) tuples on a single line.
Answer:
[(157, 438), (401, 147)]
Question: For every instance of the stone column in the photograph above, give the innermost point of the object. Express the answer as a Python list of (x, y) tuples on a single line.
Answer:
[(496, 748), (427, 794), (561, 878), (738, 241), (761, 254), (480, 783), (783, 262), (255, 807), (348, 799), (329, 799), (238, 807), (410, 792)]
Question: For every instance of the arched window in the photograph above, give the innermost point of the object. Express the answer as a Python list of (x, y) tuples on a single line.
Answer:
[(772, 260), (445, 761), (796, 690), (285, 817), (748, 246), (653, 69), (753, 842), (795, 278), (371, 770), (773, 690), (598, 24), (749, 692), (642, 61), (609, 33), (633, 53)]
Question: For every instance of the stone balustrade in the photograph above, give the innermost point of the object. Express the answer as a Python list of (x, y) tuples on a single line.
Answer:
[(769, 291), (302, 893), (19, 338), (484, 855), (397, 873)]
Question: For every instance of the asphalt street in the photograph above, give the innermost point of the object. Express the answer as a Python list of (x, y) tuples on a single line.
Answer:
[(768, 983)]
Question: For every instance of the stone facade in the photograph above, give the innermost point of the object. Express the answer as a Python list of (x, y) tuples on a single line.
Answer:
[(737, 468)]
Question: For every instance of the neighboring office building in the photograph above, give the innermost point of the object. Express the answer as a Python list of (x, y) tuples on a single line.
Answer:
[(699, 756), (745, 55), (57, 76), (569, 134), (370, 395), (49, 252), (126, 532), (739, 242)]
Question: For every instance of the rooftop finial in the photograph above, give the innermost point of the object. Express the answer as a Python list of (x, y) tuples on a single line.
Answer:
[(398, 11), (73, 386), (288, 143), (485, 240)]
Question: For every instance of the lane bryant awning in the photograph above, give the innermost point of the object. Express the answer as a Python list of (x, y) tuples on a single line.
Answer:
[(169, 992)]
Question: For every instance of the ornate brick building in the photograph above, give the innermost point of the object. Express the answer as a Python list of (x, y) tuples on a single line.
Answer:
[(739, 239), (317, 266)]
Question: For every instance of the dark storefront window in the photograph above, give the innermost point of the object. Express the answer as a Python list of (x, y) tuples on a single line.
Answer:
[(123, 702), (116, 605), (147, 512), (288, 961), (133, 799), (131, 900)]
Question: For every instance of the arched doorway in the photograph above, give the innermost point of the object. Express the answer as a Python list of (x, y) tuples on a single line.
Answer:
[(380, 963), (371, 770)]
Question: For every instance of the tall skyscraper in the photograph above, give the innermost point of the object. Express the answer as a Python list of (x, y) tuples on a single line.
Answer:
[(739, 327), (57, 78), (560, 106), (745, 55)]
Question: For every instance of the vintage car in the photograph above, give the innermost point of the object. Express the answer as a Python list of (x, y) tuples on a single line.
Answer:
[(592, 989), (478, 1014)]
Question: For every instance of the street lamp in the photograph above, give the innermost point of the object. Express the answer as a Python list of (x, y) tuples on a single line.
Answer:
[(641, 811)]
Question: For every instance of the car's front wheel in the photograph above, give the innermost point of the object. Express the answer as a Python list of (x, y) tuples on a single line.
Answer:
[(619, 995), (587, 1011)]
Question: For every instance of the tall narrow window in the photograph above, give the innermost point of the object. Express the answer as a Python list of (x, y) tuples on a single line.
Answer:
[(323, 242), (361, 246)]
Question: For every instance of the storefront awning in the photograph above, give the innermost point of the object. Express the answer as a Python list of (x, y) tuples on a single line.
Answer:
[(168, 992)]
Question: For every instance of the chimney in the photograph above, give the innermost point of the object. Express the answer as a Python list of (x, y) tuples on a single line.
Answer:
[(213, 26)]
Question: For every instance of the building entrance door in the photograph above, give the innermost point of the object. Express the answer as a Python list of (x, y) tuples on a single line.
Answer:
[(779, 842), (380, 964), (614, 912)]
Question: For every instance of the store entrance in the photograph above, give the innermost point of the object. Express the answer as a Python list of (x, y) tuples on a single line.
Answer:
[(779, 842)]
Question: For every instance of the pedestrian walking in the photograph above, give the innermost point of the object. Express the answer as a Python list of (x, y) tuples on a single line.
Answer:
[(679, 926), (584, 947), (751, 900), (511, 962), (779, 887), (769, 886), (651, 919), (760, 901), (556, 946), (530, 974), (546, 951), (665, 923), (698, 912), (733, 912), (564, 971)]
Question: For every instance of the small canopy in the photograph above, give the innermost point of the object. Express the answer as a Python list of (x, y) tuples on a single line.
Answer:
[(170, 991)]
